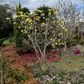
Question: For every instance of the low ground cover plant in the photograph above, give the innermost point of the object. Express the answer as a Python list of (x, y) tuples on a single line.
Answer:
[(54, 74)]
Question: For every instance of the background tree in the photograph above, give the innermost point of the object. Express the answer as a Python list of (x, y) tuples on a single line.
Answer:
[(6, 20), (71, 16), (25, 10)]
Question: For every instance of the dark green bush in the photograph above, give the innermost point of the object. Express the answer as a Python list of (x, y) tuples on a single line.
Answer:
[(18, 39), (75, 40)]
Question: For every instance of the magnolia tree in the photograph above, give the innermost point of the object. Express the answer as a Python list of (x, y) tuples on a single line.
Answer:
[(41, 34)]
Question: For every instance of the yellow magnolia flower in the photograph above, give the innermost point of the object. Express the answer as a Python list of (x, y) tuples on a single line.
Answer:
[(62, 22), (22, 31), (55, 43), (58, 40), (65, 30), (19, 27), (22, 15), (42, 14), (7, 18), (49, 13), (43, 24), (31, 23), (21, 12), (50, 10), (35, 30), (51, 39), (37, 18), (40, 11), (22, 22), (60, 34), (55, 12), (14, 23), (63, 27), (53, 18), (17, 16), (62, 43), (29, 20)]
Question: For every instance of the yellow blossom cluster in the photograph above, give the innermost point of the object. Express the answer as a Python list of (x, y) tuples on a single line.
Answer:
[(37, 18), (29, 20), (17, 16)]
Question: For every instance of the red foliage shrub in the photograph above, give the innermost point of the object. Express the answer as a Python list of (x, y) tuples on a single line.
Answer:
[(76, 51)]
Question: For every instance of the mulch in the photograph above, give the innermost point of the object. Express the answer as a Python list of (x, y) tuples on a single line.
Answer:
[(28, 57)]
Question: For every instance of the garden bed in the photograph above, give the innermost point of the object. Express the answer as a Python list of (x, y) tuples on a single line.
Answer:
[(21, 62), (24, 68)]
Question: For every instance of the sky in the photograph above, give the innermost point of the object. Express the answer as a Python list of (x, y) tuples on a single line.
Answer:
[(34, 4)]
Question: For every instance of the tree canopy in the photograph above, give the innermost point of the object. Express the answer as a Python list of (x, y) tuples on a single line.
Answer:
[(6, 20)]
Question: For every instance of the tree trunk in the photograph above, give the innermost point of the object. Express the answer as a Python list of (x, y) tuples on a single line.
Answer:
[(65, 46)]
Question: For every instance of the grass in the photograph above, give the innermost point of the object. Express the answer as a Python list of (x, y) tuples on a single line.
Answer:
[(3, 39), (72, 63), (8, 41)]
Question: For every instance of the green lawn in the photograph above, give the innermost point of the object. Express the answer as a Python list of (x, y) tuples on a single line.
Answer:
[(72, 63), (7, 41)]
